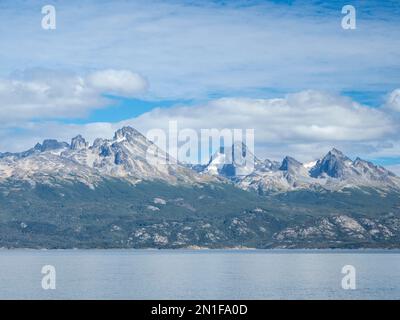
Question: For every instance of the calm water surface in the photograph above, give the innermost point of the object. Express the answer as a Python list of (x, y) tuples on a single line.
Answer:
[(220, 274)]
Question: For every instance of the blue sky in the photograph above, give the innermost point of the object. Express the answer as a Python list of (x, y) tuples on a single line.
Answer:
[(193, 54)]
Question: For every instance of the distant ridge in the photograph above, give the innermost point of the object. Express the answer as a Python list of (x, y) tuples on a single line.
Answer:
[(125, 156)]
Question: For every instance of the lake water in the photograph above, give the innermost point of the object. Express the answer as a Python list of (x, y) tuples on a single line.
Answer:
[(220, 274)]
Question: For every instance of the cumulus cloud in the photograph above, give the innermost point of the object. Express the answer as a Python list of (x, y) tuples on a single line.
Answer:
[(305, 116), (118, 82), (393, 101), (39, 94), (304, 124)]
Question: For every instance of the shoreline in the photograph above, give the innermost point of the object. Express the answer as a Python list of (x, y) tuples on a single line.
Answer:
[(212, 250)]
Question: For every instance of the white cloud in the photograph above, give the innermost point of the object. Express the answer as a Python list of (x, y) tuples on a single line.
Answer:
[(393, 101), (40, 94), (192, 50), (305, 116), (305, 125), (189, 49), (118, 82)]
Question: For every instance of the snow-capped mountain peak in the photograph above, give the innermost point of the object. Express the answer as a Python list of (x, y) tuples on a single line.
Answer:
[(78, 143), (335, 164), (334, 171), (231, 162), (126, 156), (289, 164), (127, 133)]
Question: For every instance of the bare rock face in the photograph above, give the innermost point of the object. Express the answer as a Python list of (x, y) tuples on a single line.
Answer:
[(78, 143)]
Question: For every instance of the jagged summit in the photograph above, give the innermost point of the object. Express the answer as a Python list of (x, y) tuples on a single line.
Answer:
[(335, 164), (334, 171), (51, 144), (336, 152), (127, 133), (126, 156), (290, 163), (234, 161), (78, 143)]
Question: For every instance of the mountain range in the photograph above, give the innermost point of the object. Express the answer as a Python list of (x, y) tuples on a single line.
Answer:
[(115, 193), (334, 171)]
